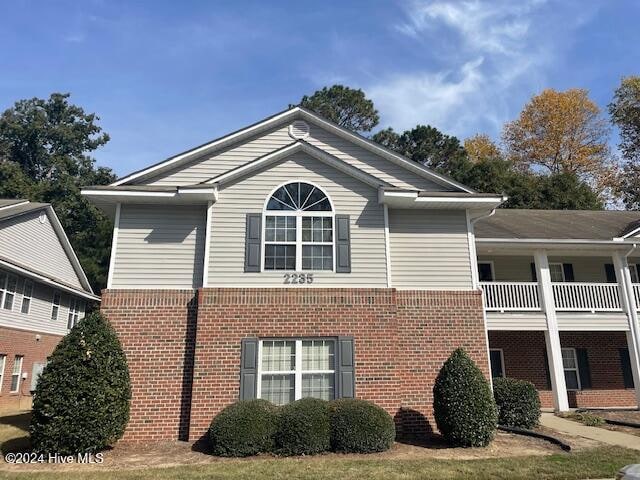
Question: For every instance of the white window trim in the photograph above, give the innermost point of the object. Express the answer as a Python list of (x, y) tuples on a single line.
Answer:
[(54, 304), (3, 364), (13, 374), (297, 373), (561, 269), (576, 369), (5, 290), (74, 312), (491, 266), (24, 295), (299, 214), (504, 372)]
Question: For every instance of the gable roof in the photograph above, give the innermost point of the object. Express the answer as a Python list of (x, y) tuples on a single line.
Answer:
[(282, 117), (10, 209), (556, 224)]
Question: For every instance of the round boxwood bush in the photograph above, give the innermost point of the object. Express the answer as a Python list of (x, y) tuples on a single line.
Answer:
[(358, 426), (517, 401), (464, 407), (304, 428), (81, 402), (244, 428)]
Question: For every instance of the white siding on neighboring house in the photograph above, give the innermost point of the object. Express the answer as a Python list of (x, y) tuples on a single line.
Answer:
[(248, 195), (209, 166), (429, 249), (38, 319), (160, 246), (35, 245)]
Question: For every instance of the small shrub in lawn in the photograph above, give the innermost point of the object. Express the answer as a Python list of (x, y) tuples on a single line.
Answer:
[(358, 426), (81, 402), (464, 408), (244, 428), (304, 428), (518, 402), (589, 419)]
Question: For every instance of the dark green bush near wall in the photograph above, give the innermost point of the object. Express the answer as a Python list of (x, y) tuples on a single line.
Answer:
[(358, 426), (464, 407), (518, 402), (81, 402), (244, 428), (304, 428)]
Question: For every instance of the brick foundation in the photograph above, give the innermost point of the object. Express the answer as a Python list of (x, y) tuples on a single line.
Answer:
[(401, 339), (35, 350), (524, 359)]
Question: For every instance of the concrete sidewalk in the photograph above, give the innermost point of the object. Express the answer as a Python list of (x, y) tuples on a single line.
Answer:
[(609, 437)]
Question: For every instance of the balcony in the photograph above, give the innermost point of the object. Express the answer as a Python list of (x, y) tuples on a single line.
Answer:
[(568, 296)]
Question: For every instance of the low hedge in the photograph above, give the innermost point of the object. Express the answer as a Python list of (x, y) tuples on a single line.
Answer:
[(244, 428), (517, 401), (358, 426), (304, 428)]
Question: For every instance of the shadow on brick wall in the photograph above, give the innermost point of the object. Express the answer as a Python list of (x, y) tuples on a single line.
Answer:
[(187, 369), (412, 424)]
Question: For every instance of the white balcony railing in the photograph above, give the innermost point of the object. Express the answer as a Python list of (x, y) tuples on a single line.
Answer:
[(586, 297), (636, 292), (510, 296)]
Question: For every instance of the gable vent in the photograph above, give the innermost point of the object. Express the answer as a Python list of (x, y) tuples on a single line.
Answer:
[(299, 130)]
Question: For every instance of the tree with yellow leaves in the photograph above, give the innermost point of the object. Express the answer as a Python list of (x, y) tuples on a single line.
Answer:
[(480, 147), (561, 132)]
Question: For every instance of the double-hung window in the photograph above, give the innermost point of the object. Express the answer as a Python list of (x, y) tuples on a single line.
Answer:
[(294, 369), (74, 313), (16, 373), (556, 272), (570, 365), (55, 306), (298, 229), (8, 284), (27, 292)]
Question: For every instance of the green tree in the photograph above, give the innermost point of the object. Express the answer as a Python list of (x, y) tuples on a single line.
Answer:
[(625, 114), (347, 107), (44, 147), (81, 403)]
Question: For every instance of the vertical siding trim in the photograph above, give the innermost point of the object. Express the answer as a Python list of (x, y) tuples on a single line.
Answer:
[(473, 257), (207, 245), (114, 242), (387, 247)]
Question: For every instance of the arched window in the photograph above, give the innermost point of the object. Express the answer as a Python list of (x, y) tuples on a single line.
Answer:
[(298, 228)]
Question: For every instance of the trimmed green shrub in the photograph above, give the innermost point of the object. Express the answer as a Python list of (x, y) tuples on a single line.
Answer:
[(517, 401), (81, 402), (244, 428), (358, 426), (304, 428), (463, 405), (588, 419)]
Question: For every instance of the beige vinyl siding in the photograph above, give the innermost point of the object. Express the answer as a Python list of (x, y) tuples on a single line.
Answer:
[(248, 195), (206, 167), (592, 322), (36, 246), (516, 321), (429, 249), (39, 317), (518, 268), (160, 246)]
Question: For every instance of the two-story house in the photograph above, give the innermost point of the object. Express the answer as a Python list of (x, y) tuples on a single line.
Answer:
[(295, 258), (43, 293)]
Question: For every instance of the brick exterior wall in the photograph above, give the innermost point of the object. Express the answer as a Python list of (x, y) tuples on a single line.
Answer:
[(524, 359), (401, 339), (35, 350)]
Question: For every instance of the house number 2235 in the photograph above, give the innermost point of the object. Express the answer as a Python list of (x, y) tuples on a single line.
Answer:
[(298, 278)]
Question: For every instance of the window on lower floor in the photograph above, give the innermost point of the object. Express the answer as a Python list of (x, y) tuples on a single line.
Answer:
[(294, 369), (570, 365), (3, 361), (16, 373), (497, 362)]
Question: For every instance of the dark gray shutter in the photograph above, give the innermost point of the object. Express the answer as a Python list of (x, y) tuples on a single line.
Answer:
[(534, 274), (583, 368), (248, 368), (343, 244), (346, 368), (253, 242), (625, 364), (610, 273), (546, 369), (568, 272)]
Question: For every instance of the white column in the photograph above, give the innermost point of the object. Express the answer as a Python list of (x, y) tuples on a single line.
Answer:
[(207, 245), (114, 245), (628, 304), (551, 335)]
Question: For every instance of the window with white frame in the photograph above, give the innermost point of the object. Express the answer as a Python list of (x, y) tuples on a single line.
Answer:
[(3, 361), (298, 229), (16, 373), (27, 292), (8, 284), (55, 306), (292, 369), (556, 271), (75, 309), (570, 365)]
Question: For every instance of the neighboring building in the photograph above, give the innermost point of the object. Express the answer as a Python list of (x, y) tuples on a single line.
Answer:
[(43, 293), (295, 258)]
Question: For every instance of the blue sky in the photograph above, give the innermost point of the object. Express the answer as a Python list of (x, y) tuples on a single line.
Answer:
[(165, 76)]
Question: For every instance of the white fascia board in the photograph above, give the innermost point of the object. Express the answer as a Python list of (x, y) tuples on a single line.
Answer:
[(128, 193), (13, 205), (560, 241), (47, 281), (630, 234), (412, 199)]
